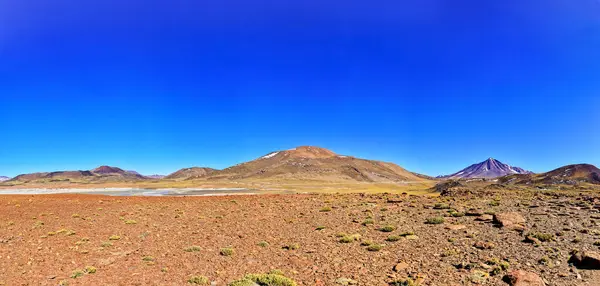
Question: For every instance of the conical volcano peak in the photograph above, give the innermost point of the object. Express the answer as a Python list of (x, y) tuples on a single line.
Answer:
[(490, 168)]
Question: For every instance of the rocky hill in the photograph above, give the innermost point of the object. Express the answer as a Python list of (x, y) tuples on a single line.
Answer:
[(567, 175), (315, 163), (190, 173), (99, 175)]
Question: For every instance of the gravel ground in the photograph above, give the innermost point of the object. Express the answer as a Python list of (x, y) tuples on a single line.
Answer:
[(45, 238)]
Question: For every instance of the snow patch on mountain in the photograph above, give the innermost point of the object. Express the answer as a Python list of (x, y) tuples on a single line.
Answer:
[(271, 155)]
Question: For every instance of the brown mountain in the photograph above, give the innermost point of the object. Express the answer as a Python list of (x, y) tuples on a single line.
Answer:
[(47, 177), (567, 175), (98, 175), (314, 163), (190, 173), (116, 173), (108, 170)]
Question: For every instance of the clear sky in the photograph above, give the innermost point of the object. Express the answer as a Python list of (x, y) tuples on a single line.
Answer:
[(432, 85)]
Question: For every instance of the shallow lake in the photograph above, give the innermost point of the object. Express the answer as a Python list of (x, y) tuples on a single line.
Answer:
[(132, 192)]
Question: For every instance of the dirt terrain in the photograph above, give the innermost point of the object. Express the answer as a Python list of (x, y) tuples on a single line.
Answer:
[(349, 239)]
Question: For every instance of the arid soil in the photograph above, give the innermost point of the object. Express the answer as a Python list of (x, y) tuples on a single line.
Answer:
[(44, 240)]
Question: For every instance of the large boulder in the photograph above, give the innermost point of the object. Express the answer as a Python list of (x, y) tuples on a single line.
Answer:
[(586, 260), (509, 219), (523, 278)]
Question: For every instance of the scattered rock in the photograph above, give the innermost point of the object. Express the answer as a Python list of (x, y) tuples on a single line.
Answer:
[(474, 212), (400, 266), (586, 260), (523, 278), (484, 245), (346, 281), (517, 227), (485, 217), (532, 240), (456, 227), (509, 219)]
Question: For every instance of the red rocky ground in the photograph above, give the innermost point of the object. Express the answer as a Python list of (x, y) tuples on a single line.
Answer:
[(44, 239)]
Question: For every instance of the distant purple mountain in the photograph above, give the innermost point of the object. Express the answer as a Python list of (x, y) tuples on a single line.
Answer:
[(490, 168), (156, 176), (3, 178), (151, 176)]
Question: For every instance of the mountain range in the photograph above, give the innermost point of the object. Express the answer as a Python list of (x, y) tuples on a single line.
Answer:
[(567, 175), (305, 163), (102, 174), (315, 164), (3, 178), (488, 169)]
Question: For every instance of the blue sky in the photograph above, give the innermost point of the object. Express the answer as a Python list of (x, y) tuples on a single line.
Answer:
[(432, 85)]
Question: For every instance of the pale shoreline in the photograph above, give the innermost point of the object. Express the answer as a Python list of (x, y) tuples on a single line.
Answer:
[(132, 191)]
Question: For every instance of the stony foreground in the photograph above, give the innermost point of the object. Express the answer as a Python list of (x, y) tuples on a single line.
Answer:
[(313, 239)]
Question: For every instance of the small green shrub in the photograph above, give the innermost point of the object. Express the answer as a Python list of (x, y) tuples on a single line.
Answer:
[(393, 238), (407, 233), (350, 238), (77, 273), (193, 248), (435, 220), (264, 280), (198, 280), (368, 222), (387, 228), (263, 244), (90, 269), (226, 251), (478, 276), (374, 247), (449, 253), (366, 243), (457, 214), (440, 206), (544, 237)]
